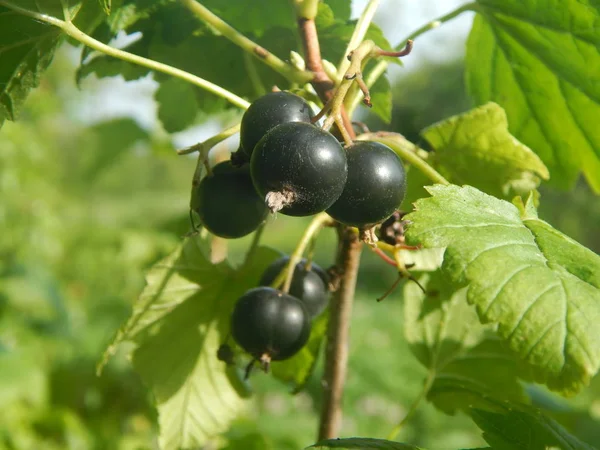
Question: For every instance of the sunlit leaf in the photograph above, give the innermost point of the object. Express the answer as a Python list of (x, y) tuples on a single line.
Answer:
[(476, 148), (539, 60), (381, 98), (179, 322), (543, 309)]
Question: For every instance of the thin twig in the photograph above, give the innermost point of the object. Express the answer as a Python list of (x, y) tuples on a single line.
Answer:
[(362, 26), (206, 145), (413, 407), (312, 57), (254, 245), (286, 276), (399, 144), (382, 65), (71, 30), (285, 69)]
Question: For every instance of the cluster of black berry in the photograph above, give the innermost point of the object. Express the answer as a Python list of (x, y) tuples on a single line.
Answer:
[(299, 169), (272, 325), (288, 164)]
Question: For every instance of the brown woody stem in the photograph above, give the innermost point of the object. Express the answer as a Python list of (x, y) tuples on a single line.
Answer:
[(349, 247), (336, 351)]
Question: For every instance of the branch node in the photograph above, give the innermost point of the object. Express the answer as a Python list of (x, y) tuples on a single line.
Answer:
[(261, 52), (367, 235)]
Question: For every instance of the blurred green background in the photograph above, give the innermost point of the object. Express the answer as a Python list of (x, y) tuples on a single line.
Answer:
[(86, 206)]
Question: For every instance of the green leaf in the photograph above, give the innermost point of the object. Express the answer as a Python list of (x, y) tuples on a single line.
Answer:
[(381, 98), (524, 430), (546, 313), (364, 444), (341, 8), (415, 187), (299, 368), (539, 61), (335, 37), (513, 426), (27, 47), (249, 16), (578, 260), (476, 148), (177, 105), (422, 260), (106, 5), (445, 335), (178, 323)]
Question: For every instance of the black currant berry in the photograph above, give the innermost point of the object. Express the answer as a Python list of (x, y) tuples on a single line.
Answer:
[(227, 203), (299, 169), (375, 188), (267, 112), (269, 324), (308, 285)]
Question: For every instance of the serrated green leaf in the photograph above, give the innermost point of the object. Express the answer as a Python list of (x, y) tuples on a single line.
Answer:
[(128, 12), (578, 260), (539, 61), (177, 105), (476, 148), (27, 47), (381, 98), (178, 323), (545, 313), (298, 369), (445, 335), (364, 444)]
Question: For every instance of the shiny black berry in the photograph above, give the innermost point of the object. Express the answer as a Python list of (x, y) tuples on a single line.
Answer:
[(267, 112), (375, 188), (269, 324), (299, 169), (227, 203), (308, 285)]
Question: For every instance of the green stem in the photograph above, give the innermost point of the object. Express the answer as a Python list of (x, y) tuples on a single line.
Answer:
[(205, 146), (405, 149), (382, 65), (253, 75), (413, 407), (306, 9), (285, 69), (362, 26), (254, 245), (74, 32), (362, 52), (318, 222)]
